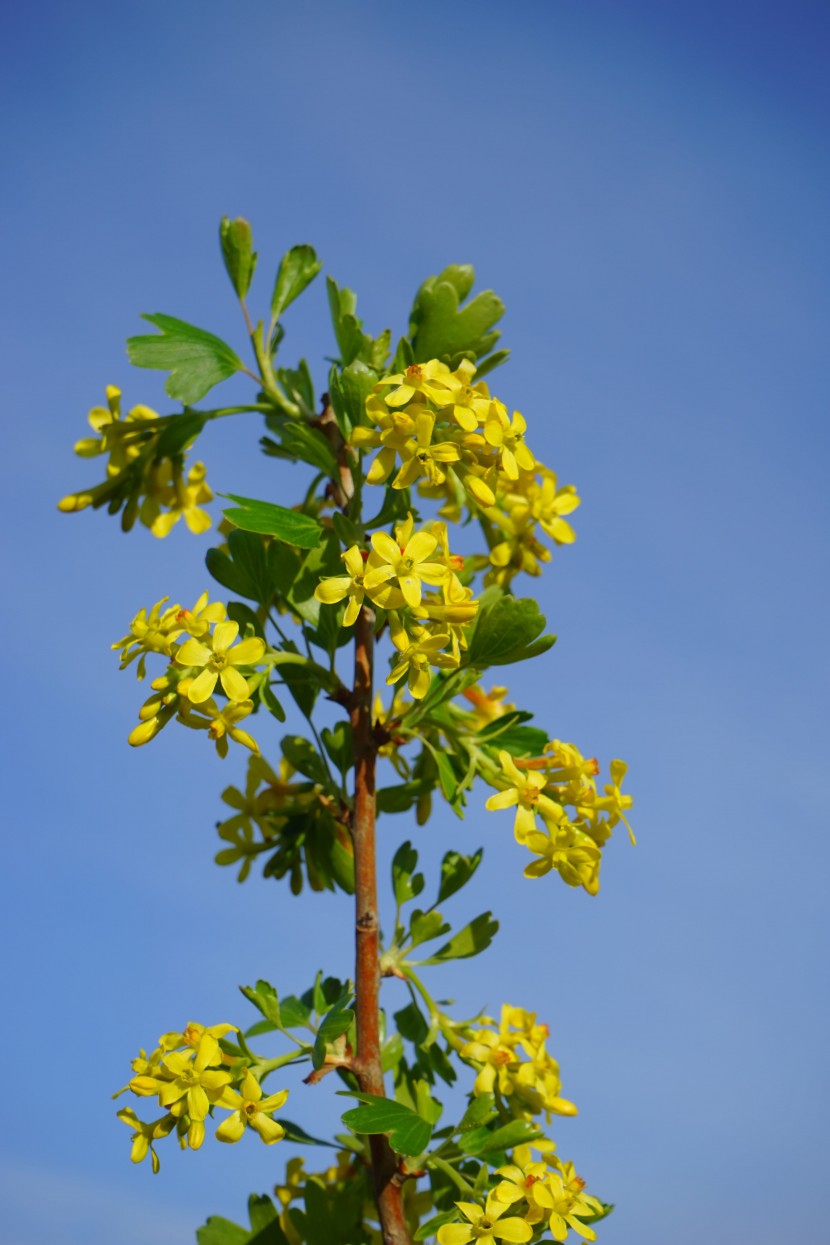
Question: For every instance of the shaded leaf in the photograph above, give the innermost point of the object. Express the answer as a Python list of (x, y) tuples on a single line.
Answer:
[(487, 1141), (506, 630)]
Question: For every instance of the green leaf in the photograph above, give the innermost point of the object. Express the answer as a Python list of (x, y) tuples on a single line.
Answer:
[(195, 359), (294, 1133), (333, 1025), (437, 1221), (506, 630), (471, 940), (348, 391), (481, 1110), (265, 998), (441, 329), (269, 519), (405, 882), (265, 1227), (456, 871), (295, 1012), (245, 618), (305, 758), (521, 741), (408, 1132), (486, 1141), (298, 268), (446, 775), (425, 926), (181, 431), (323, 559), (236, 240), (489, 364), (218, 1231), (339, 744), (352, 342), (400, 798)]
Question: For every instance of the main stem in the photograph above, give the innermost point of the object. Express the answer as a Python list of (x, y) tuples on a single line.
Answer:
[(367, 927)]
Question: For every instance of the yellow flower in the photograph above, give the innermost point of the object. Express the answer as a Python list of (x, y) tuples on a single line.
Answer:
[(116, 436), (432, 380), (155, 632), (334, 588), (423, 458), (187, 1083), (418, 651), (145, 1134), (219, 662), (169, 497), (562, 847), (614, 802), (484, 1226), (495, 1057), (508, 438), (527, 793), (221, 724), (569, 1204), (406, 564), (250, 1109)]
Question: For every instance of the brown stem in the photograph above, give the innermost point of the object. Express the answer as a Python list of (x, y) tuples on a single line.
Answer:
[(367, 1062)]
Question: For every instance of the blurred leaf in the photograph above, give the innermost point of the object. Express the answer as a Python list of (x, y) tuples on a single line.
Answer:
[(456, 871), (408, 1132), (404, 884), (299, 1136), (481, 1110), (400, 798), (339, 744), (424, 926), (348, 391), (437, 1221), (471, 940), (265, 998), (180, 431), (305, 758), (195, 359), (298, 268), (236, 240), (269, 519), (333, 1025), (487, 1141)]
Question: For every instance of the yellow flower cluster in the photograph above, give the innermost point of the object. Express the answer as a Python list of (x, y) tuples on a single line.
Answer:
[(548, 787), (190, 1076), (514, 1065), (456, 443), (552, 1192), (151, 488), (426, 627), (208, 657)]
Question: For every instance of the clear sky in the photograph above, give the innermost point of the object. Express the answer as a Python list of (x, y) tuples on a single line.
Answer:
[(646, 186)]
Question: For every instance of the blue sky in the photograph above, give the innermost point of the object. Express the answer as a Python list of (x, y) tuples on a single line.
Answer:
[(646, 187)]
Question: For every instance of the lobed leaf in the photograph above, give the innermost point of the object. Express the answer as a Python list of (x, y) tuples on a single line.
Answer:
[(195, 358)]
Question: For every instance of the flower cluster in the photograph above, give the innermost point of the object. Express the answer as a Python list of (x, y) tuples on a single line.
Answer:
[(560, 788), (209, 658), (148, 484), (191, 1075), (552, 1194), (416, 580), (514, 1064), (451, 439)]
